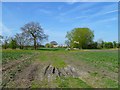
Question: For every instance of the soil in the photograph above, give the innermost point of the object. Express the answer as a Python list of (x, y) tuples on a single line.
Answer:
[(24, 79), (13, 64), (84, 69), (44, 71)]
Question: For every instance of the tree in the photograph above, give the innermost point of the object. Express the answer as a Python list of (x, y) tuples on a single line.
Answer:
[(118, 45), (34, 32), (114, 44), (13, 43), (22, 40), (1, 37), (5, 42), (108, 45), (100, 44), (67, 43), (92, 45), (47, 45), (80, 37)]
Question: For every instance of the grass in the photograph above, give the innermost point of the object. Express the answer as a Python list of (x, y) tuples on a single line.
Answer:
[(63, 82), (10, 55), (106, 59), (53, 58), (101, 60), (70, 82)]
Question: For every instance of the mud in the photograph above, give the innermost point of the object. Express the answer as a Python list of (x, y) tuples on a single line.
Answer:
[(24, 79), (13, 64)]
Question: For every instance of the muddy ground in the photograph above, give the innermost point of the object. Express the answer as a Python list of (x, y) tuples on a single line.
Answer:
[(37, 72)]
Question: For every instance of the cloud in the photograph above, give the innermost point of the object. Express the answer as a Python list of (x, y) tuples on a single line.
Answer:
[(88, 12), (110, 12), (80, 17), (108, 20), (103, 13), (78, 8), (106, 9), (45, 11), (5, 30)]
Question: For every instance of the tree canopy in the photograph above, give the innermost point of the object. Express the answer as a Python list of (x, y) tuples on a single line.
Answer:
[(80, 37), (35, 32)]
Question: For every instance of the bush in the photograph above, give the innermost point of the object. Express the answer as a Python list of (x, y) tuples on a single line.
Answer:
[(108, 45), (13, 44)]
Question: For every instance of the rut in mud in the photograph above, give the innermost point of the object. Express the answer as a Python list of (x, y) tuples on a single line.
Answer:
[(24, 79), (33, 72)]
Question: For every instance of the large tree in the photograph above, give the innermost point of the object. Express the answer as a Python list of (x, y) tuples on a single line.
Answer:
[(22, 40), (34, 32), (80, 37)]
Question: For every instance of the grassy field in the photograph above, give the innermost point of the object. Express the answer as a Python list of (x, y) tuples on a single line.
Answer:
[(92, 68)]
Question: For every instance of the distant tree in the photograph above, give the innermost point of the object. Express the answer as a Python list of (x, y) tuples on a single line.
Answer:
[(118, 45), (35, 32), (114, 44), (67, 42), (92, 45), (100, 44), (13, 43), (47, 45), (22, 40), (80, 37), (5, 42), (108, 45), (1, 37)]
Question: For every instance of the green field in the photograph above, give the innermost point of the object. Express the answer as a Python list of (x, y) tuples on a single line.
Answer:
[(92, 68)]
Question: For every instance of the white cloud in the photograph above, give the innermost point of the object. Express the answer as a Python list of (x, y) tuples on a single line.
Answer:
[(80, 17), (77, 8), (44, 11), (110, 12), (108, 20), (104, 21), (5, 31), (85, 9), (103, 13)]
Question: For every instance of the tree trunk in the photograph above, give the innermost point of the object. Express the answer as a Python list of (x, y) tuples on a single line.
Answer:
[(35, 46)]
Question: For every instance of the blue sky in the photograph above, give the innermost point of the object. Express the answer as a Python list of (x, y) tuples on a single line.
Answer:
[(56, 18)]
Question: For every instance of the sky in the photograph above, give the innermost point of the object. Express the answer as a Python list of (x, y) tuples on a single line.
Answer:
[(56, 18)]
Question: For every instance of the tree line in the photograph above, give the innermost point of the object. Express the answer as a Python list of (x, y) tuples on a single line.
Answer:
[(33, 35), (82, 38)]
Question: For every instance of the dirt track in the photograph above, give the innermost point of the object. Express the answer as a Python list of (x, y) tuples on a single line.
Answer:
[(23, 73)]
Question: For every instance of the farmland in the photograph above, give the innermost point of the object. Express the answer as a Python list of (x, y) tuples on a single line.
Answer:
[(51, 68)]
